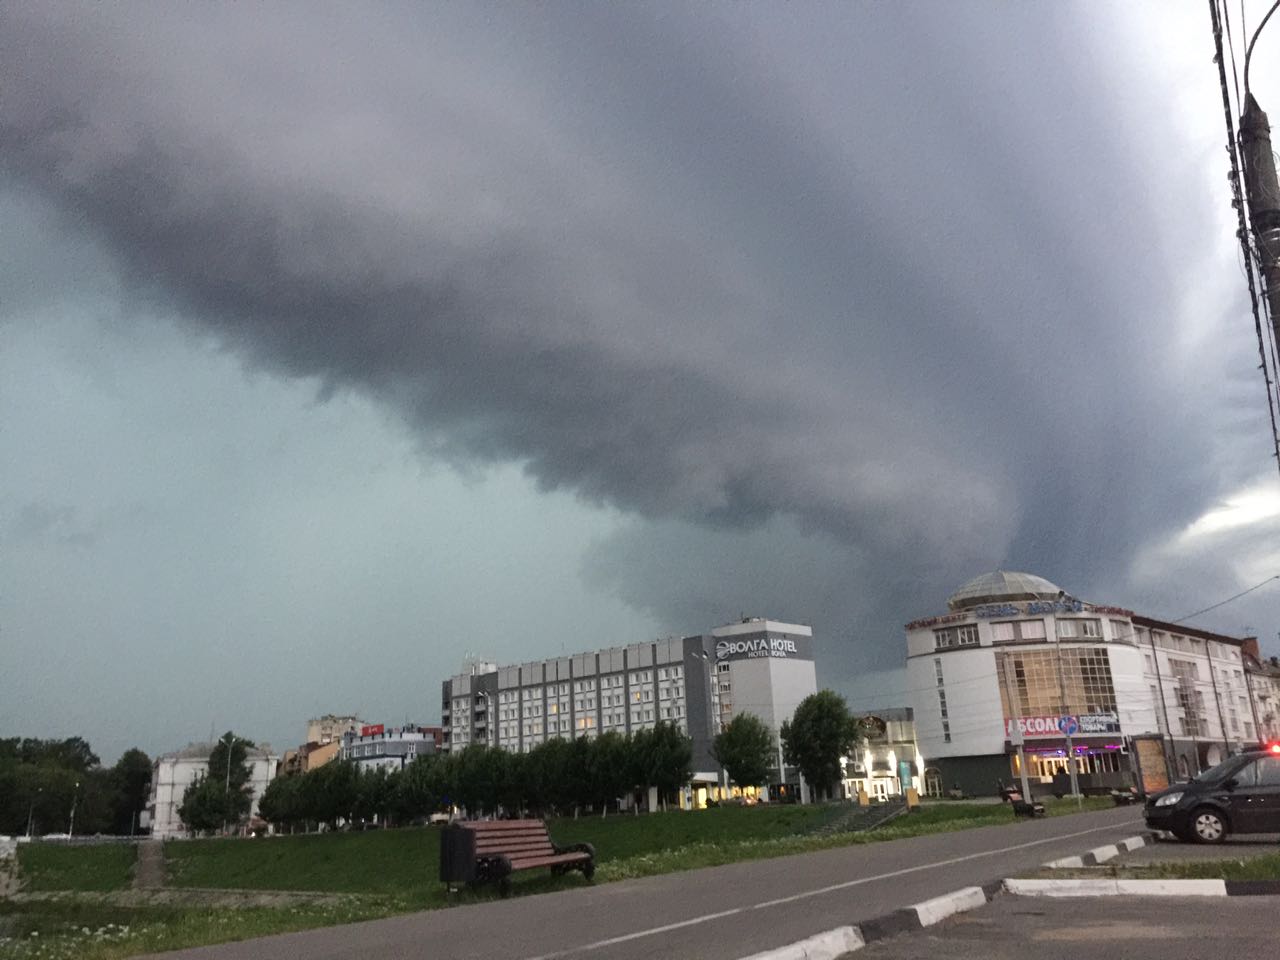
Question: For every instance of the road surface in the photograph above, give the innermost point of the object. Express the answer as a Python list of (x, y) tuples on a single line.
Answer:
[(717, 913)]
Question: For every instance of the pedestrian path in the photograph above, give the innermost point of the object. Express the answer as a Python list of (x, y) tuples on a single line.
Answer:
[(148, 872)]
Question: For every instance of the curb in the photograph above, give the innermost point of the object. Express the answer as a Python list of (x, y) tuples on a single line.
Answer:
[(1142, 888), (1101, 854), (842, 940)]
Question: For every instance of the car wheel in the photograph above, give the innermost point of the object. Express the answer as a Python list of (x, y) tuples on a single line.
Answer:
[(1208, 826)]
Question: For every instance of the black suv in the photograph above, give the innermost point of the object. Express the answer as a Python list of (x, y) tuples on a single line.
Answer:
[(1239, 795)]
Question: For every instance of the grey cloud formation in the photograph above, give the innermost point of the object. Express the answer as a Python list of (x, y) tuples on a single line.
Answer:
[(889, 294)]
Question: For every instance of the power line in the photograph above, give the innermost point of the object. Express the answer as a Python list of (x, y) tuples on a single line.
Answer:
[(1223, 603)]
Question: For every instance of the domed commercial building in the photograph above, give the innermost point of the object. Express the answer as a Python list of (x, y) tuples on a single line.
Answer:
[(1135, 699)]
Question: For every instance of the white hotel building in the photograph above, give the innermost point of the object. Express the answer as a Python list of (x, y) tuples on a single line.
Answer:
[(1143, 698)]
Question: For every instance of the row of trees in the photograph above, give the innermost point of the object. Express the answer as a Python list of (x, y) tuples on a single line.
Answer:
[(556, 777), (42, 780)]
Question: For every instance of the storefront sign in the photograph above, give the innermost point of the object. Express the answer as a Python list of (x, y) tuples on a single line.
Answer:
[(1087, 724), (1035, 608), (758, 645)]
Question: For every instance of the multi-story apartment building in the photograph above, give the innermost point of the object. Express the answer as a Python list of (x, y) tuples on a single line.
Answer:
[(697, 683), (331, 727)]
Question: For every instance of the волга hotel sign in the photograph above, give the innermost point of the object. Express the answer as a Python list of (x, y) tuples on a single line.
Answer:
[(761, 645)]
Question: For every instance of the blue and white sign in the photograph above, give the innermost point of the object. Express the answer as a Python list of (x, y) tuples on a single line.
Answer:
[(1069, 725)]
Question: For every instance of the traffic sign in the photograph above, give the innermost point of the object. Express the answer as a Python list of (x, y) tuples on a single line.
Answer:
[(1069, 725)]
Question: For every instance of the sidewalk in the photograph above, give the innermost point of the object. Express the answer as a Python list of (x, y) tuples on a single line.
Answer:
[(1133, 928)]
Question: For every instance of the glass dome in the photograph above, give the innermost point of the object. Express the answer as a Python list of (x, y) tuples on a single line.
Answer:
[(1002, 586)]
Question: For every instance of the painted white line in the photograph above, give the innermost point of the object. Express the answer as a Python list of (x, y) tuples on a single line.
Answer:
[(1112, 888), (693, 921), (958, 901), (824, 946)]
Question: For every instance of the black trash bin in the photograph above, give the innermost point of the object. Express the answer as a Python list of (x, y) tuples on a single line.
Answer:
[(457, 855)]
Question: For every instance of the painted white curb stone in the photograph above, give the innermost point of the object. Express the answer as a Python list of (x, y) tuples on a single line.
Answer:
[(1111, 888), (939, 908), (824, 946), (1103, 854), (1065, 862)]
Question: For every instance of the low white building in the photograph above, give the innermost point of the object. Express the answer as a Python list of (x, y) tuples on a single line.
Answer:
[(172, 773), (377, 747), (1015, 654)]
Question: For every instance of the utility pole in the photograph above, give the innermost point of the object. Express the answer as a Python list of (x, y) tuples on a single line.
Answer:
[(1062, 694), (1263, 194), (1016, 736)]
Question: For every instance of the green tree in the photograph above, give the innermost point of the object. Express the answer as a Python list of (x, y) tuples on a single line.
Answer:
[(422, 787), (745, 748), (223, 796), (131, 782), (609, 770), (280, 803), (204, 805), (819, 732)]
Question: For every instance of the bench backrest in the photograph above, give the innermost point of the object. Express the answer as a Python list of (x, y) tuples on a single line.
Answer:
[(518, 839)]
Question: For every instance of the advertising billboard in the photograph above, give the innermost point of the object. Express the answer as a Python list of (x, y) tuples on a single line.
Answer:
[(1078, 724)]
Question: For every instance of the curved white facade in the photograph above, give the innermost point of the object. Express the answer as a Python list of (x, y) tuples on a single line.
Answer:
[(1058, 665)]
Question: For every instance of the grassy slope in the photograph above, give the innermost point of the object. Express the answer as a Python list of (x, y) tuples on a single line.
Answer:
[(44, 866)]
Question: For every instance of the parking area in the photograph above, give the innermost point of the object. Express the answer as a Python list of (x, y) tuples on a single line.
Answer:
[(1134, 928)]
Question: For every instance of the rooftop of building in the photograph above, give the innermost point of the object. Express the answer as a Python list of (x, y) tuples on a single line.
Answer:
[(1003, 586), (202, 751)]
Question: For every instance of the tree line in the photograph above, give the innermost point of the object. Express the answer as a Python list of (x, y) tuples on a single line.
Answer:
[(42, 780), (557, 777)]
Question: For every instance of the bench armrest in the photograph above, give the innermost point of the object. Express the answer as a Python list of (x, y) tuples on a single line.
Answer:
[(586, 848)]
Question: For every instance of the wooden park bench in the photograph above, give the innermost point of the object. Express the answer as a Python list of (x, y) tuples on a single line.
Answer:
[(489, 851)]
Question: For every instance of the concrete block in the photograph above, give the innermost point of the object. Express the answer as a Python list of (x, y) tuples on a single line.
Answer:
[(958, 901)]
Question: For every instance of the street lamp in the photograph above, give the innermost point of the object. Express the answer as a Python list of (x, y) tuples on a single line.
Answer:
[(71, 827), (32, 810), (226, 793)]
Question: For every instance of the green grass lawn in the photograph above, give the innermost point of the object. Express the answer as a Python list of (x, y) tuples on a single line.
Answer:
[(399, 861), (384, 872), (46, 866), (1249, 868), (81, 929)]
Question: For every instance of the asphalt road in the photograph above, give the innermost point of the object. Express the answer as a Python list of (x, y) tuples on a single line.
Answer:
[(1135, 928), (718, 913)]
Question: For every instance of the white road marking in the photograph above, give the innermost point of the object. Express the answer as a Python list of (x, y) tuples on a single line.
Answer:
[(694, 921)]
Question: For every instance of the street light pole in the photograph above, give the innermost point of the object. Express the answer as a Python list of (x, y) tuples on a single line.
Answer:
[(226, 793), (71, 827), (31, 811)]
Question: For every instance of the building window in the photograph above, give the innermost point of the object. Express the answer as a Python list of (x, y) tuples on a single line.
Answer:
[(962, 636)]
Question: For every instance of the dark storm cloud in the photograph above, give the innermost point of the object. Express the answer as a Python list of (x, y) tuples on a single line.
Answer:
[(894, 282)]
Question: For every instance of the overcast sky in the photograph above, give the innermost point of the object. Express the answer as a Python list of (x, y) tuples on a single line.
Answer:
[(339, 342)]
